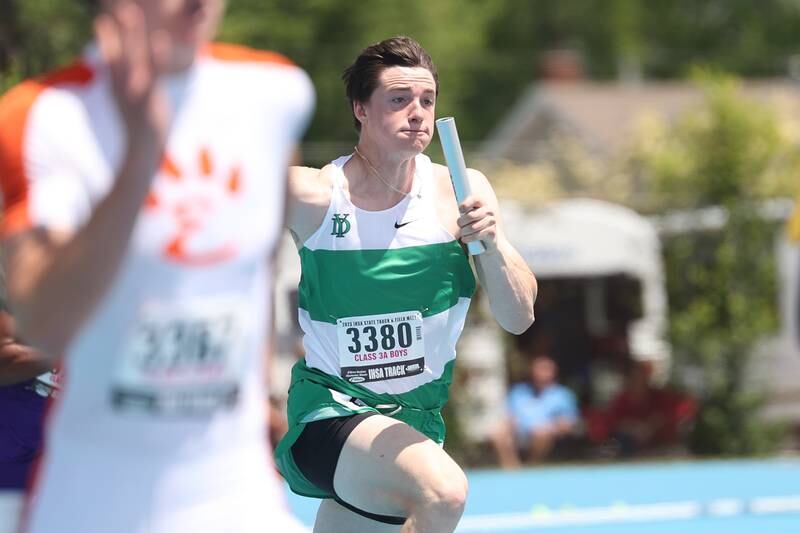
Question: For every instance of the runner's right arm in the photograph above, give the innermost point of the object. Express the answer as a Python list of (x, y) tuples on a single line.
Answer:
[(309, 194), (46, 269)]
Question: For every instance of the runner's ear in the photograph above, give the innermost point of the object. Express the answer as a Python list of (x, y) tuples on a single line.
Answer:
[(360, 111)]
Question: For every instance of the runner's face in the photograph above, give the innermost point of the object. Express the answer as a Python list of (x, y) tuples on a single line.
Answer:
[(189, 23), (400, 113)]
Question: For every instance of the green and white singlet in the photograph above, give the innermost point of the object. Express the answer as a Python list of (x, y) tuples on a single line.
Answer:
[(382, 302)]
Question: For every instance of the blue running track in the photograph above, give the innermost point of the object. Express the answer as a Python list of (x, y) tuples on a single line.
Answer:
[(687, 497)]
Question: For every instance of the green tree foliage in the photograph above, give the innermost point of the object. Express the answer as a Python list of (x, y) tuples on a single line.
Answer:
[(733, 149), (36, 35), (748, 38), (487, 51), (722, 283)]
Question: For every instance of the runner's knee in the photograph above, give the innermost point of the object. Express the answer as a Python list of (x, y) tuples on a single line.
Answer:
[(445, 493)]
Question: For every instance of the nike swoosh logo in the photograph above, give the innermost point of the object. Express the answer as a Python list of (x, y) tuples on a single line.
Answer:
[(398, 226)]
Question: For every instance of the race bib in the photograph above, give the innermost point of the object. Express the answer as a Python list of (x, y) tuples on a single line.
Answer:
[(183, 360), (381, 347)]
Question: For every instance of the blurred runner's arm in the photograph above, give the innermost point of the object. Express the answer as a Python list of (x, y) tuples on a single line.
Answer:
[(47, 271), (503, 273), (18, 363)]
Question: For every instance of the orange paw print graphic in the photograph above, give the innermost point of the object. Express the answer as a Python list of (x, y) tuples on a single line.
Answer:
[(199, 195)]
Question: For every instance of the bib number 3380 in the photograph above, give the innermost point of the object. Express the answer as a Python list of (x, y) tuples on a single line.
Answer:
[(381, 347)]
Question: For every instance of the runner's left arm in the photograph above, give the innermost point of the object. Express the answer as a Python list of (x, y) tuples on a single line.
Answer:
[(503, 273)]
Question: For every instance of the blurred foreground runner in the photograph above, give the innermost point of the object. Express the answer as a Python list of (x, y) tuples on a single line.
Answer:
[(143, 194)]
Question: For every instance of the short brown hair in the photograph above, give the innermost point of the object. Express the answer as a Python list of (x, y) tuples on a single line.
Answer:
[(361, 78)]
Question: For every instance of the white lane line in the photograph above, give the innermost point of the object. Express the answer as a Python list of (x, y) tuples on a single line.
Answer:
[(781, 504), (617, 513), (542, 517), (727, 507)]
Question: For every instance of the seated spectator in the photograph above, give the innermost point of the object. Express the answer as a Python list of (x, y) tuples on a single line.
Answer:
[(645, 419), (540, 414)]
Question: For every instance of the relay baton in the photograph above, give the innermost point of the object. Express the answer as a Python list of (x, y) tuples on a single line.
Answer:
[(451, 146)]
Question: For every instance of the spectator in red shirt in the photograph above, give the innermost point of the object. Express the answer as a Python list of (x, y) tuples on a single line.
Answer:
[(644, 418)]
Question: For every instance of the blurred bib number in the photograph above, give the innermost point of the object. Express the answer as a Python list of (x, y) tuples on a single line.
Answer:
[(183, 360), (381, 347)]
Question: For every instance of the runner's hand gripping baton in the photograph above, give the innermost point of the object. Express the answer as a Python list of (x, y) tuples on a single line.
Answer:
[(454, 157)]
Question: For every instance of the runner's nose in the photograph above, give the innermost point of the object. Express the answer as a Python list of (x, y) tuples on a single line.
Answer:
[(415, 112)]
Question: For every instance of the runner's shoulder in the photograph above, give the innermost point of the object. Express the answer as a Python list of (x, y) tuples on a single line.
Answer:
[(311, 185), (264, 75), (17, 102), (441, 177), (477, 179), (236, 53)]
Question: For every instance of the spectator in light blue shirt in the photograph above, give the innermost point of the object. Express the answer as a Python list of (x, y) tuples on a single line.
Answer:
[(540, 413)]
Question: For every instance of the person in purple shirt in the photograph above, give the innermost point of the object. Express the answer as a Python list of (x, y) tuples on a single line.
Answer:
[(26, 383), (541, 412)]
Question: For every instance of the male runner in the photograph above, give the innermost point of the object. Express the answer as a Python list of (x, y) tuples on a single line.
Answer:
[(384, 293), (143, 194)]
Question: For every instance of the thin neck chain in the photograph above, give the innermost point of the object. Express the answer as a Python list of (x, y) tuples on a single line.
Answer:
[(378, 174)]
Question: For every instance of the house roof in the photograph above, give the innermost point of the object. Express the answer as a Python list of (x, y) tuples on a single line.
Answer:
[(604, 115)]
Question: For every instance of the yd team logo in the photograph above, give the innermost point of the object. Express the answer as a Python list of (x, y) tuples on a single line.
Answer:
[(340, 224)]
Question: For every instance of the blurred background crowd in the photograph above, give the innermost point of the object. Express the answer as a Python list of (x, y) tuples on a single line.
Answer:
[(646, 158)]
